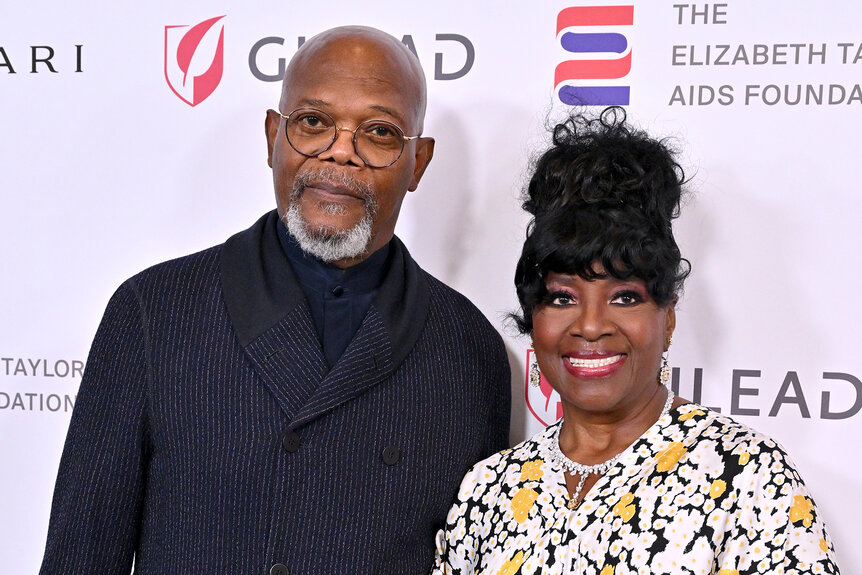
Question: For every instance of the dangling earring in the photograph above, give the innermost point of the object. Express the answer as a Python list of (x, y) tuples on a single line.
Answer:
[(664, 374), (535, 374)]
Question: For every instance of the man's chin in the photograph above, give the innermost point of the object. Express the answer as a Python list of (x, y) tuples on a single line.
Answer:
[(330, 237), (326, 233), (331, 219)]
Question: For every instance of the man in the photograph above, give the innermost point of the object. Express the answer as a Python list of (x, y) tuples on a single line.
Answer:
[(302, 399)]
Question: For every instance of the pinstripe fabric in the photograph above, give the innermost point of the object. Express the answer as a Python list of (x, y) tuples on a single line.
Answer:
[(174, 453)]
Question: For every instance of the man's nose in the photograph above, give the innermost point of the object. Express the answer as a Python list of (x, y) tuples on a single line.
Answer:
[(342, 151)]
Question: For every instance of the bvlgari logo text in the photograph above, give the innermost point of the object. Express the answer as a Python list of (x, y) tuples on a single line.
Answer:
[(42, 59)]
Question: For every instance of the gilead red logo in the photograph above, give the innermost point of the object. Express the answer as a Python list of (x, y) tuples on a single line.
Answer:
[(542, 401), (194, 59)]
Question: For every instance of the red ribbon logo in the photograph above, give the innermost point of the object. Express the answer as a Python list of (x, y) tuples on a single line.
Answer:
[(194, 59)]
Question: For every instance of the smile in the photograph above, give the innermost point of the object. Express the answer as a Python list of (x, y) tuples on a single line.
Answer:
[(588, 363), (594, 367)]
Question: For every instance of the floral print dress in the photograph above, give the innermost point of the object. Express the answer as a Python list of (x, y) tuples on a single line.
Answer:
[(698, 494)]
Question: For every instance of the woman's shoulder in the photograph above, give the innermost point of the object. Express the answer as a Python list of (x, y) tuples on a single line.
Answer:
[(708, 419), (700, 425)]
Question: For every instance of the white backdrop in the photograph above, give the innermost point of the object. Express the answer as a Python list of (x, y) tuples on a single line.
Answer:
[(104, 170)]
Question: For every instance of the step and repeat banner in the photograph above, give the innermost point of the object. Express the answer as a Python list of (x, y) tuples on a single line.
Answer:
[(134, 134)]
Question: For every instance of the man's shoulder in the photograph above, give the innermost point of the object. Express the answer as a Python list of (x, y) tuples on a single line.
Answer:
[(180, 271), (453, 301), (452, 307), (192, 269)]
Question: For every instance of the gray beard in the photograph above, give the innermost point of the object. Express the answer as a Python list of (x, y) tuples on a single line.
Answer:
[(325, 243)]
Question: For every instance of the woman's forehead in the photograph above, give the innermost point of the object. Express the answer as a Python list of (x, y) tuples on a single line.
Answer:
[(598, 275)]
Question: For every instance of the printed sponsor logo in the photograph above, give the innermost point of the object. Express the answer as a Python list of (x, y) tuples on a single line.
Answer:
[(31, 401), (38, 384), (836, 396), (194, 59), (453, 59), (542, 401), (42, 58), (41, 367), (604, 56), (840, 394)]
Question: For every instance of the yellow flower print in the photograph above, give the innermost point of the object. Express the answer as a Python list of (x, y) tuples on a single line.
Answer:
[(522, 502), (511, 566), (824, 546), (532, 470), (669, 456), (728, 572), (607, 570), (624, 509), (717, 488), (744, 457), (801, 510), (691, 414)]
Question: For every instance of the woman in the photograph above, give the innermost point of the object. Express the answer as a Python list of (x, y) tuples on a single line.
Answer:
[(631, 479)]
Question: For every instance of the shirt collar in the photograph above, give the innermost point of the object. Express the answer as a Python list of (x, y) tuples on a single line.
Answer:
[(261, 289), (315, 274)]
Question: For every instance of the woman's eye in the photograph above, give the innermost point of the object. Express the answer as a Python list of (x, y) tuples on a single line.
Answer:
[(560, 299), (627, 298)]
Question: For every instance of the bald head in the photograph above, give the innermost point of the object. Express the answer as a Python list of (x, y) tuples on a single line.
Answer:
[(374, 56), (357, 78)]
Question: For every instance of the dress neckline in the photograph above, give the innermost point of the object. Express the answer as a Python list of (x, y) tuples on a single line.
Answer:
[(654, 437)]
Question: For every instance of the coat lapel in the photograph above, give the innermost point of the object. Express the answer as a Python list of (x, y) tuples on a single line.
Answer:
[(270, 315), (366, 362), (289, 360), (273, 324), (388, 333)]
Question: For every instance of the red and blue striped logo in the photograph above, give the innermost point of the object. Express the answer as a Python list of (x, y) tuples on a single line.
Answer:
[(604, 55)]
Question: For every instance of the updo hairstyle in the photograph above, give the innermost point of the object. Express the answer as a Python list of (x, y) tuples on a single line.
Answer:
[(603, 193)]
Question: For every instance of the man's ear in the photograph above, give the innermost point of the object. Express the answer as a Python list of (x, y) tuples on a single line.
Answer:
[(271, 124), (424, 153)]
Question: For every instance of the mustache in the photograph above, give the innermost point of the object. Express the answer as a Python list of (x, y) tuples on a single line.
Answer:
[(337, 178)]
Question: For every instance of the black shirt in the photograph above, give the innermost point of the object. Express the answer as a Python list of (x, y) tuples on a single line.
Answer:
[(339, 299)]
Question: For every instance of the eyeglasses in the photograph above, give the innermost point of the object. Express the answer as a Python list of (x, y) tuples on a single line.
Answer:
[(377, 142)]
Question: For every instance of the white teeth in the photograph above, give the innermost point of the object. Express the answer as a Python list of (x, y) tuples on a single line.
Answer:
[(578, 362)]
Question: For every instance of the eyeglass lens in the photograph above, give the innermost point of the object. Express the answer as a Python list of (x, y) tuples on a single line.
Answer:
[(312, 132)]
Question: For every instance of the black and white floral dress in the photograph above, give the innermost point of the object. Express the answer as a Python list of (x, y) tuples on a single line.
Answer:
[(698, 494)]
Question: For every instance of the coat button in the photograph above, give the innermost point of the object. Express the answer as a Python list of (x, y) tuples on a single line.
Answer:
[(338, 291), (290, 442), (279, 569), (391, 455)]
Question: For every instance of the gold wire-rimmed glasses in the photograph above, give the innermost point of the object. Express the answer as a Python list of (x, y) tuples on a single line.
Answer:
[(311, 132)]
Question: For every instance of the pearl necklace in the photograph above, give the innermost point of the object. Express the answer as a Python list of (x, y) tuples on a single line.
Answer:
[(584, 471)]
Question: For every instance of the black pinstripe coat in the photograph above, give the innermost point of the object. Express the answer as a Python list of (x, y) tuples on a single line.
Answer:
[(208, 436)]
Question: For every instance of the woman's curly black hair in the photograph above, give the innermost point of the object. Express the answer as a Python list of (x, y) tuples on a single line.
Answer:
[(604, 193)]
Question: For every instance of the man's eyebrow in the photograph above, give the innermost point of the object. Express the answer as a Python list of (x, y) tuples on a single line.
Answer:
[(388, 111), (315, 103), (323, 104)]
